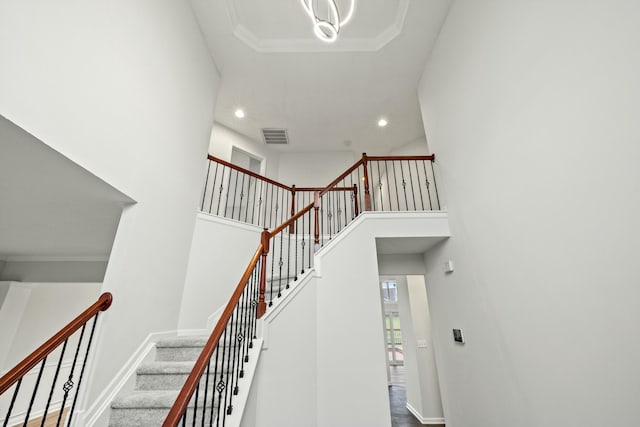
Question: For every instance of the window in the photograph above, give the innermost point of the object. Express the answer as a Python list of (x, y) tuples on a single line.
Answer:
[(389, 291)]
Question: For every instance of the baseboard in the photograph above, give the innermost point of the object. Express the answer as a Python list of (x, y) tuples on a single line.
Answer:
[(423, 420)]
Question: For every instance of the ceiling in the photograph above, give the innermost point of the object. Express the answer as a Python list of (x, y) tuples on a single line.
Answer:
[(49, 206), (328, 96)]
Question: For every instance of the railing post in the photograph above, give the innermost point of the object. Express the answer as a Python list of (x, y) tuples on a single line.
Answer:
[(262, 305), (293, 208), (316, 227), (367, 196), (355, 199)]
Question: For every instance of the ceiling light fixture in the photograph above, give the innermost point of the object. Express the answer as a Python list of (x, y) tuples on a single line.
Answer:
[(239, 113), (382, 123), (327, 20)]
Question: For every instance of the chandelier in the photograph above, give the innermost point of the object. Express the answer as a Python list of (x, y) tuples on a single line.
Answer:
[(328, 18)]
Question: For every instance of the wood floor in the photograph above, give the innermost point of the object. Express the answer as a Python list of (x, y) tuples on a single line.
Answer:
[(51, 421), (400, 415)]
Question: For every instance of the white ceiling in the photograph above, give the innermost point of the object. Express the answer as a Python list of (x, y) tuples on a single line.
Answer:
[(49, 206), (274, 68)]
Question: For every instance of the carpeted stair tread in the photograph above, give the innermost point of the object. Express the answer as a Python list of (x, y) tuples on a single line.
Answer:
[(183, 341), (145, 399), (165, 367)]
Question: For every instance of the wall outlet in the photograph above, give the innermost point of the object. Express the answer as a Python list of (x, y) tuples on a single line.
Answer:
[(457, 336)]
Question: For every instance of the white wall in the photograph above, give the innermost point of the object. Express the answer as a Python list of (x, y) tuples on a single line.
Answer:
[(127, 91), (215, 267), (224, 139), (41, 317), (314, 169), (417, 147), (532, 110)]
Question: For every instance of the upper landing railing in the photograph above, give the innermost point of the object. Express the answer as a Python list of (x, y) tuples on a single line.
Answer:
[(391, 183), (398, 183)]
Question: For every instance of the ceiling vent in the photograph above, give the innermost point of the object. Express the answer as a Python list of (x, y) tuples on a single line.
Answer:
[(275, 136)]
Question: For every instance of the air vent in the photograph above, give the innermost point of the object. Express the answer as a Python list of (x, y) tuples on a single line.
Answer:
[(275, 136)]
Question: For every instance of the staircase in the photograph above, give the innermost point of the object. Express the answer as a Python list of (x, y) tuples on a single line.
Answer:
[(157, 383)]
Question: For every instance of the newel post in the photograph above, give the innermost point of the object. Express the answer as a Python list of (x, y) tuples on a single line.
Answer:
[(367, 196), (316, 227), (262, 305), (293, 209)]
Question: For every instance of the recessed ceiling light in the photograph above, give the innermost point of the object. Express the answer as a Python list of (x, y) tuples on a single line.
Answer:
[(382, 123), (239, 113)]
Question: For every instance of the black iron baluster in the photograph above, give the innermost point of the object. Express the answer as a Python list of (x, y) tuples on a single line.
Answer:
[(84, 365), (280, 264), (329, 214), (235, 192), (241, 199), (253, 205), (295, 278), (69, 384), (361, 184), (228, 390), (352, 197), (55, 380), (426, 180), (395, 180), (13, 401), (404, 186), (234, 359), (435, 186), (195, 405), (303, 243), (204, 192), (322, 224), (226, 203), (213, 392), (273, 260), (221, 189), (380, 186), (206, 393), (371, 187), (386, 171), (271, 207), (311, 239), (288, 259), (35, 391), (213, 188), (221, 386), (418, 183)]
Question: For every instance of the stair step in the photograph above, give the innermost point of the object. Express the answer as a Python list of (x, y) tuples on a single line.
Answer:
[(150, 408)]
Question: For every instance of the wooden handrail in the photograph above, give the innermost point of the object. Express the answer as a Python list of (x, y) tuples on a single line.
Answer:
[(431, 157), (22, 368), (180, 405), (312, 189), (291, 220), (341, 177), (248, 172)]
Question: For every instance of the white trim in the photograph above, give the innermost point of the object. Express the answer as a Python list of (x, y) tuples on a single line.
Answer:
[(226, 221), (422, 419), (56, 258)]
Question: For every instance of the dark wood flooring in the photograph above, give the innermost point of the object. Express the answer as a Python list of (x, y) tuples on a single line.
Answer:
[(400, 415)]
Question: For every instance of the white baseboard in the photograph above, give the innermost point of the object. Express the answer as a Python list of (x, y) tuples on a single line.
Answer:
[(423, 420)]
